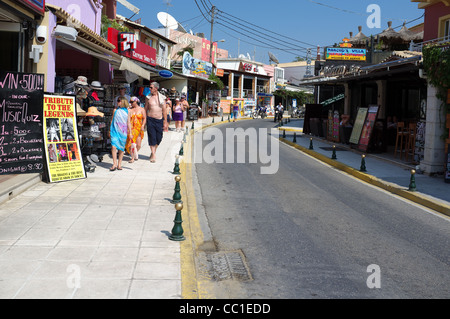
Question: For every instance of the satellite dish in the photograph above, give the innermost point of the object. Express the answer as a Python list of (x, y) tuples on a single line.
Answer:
[(167, 21), (273, 58)]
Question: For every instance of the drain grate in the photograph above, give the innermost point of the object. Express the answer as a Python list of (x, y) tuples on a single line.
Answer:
[(221, 266)]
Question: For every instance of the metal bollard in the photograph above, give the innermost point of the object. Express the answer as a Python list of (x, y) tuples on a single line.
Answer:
[(412, 184), (363, 164), (177, 231), (333, 156), (177, 195), (176, 169)]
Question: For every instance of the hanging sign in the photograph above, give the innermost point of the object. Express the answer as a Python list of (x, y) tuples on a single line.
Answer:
[(37, 5), (62, 147), (346, 54), (165, 74), (128, 46), (196, 67), (21, 140)]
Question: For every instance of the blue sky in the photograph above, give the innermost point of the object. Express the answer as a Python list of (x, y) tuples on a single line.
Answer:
[(312, 22)]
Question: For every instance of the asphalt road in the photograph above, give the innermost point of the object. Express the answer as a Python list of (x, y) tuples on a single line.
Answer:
[(309, 231)]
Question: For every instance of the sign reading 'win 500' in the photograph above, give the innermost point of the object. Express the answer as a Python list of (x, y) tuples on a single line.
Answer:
[(346, 54)]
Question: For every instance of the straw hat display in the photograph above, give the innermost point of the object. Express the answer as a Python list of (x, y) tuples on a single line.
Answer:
[(93, 111), (82, 80), (96, 85), (80, 111)]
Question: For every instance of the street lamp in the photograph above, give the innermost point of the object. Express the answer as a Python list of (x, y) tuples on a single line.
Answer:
[(211, 48)]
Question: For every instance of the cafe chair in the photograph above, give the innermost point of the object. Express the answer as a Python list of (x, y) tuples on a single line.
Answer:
[(411, 140), (400, 141)]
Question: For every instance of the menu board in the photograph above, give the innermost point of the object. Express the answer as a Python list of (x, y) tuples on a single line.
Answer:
[(358, 126), (367, 130), (21, 139), (62, 147)]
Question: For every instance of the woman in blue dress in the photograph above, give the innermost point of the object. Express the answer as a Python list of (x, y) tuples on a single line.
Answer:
[(119, 133)]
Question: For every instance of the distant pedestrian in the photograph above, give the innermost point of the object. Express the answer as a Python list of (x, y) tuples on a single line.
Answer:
[(235, 110), (136, 123), (178, 114), (119, 129), (156, 111), (122, 93), (185, 104)]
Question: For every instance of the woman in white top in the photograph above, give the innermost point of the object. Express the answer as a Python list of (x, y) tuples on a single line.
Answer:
[(178, 116)]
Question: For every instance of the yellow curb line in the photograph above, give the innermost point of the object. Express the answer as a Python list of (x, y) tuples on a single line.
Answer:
[(192, 287), (298, 130), (390, 187)]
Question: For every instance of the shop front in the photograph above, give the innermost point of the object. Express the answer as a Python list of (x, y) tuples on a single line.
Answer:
[(80, 63), (18, 24), (379, 109)]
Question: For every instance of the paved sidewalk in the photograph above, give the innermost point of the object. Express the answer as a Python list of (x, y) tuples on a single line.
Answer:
[(102, 237)]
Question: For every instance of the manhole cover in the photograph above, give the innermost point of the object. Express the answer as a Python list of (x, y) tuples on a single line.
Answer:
[(220, 266)]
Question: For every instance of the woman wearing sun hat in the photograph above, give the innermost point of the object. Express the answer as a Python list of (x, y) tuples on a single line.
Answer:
[(136, 124)]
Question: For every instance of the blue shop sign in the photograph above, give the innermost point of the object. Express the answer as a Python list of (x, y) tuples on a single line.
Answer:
[(165, 74)]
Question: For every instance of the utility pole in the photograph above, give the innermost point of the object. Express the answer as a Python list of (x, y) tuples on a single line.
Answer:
[(213, 13)]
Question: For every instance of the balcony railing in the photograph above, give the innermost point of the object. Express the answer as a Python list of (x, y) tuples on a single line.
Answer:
[(161, 61), (418, 47)]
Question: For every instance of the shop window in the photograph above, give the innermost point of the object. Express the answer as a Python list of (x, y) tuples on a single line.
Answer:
[(447, 30), (10, 44)]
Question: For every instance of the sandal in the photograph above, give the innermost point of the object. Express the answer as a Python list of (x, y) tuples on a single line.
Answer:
[(112, 169)]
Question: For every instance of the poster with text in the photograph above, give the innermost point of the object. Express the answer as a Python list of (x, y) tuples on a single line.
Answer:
[(63, 153), (21, 141)]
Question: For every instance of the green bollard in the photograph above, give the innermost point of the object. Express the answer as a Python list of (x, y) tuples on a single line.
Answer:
[(177, 195), (412, 184), (176, 169), (295, 137), (177, 231), (229, 119), (311, 146), (192, 125), (363, 164), (212, 120), (284, 133), (334, 153), (181, 150), (222, 118)]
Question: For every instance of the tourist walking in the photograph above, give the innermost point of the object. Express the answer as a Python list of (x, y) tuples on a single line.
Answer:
[(185, 104), (156, 111), (119, 129), (235, 110), (178, 114), (136, 123)]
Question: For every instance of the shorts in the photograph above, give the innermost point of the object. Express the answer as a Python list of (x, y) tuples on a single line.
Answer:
[(154, 131), (178, 117)]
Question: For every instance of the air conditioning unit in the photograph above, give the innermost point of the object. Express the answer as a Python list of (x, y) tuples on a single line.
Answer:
[(64, 32)]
